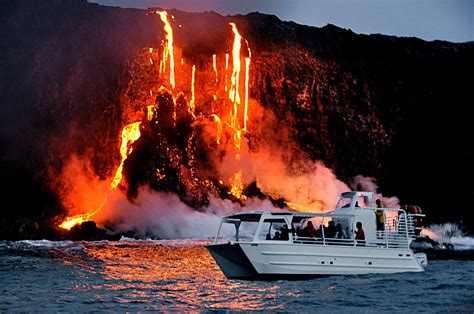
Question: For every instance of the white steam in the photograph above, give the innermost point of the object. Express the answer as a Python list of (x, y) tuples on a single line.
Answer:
[(450, 233), (308, 184), (163, 215), (369, 184)]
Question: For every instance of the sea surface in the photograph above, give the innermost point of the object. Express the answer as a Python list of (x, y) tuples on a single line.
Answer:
[(158, 275)]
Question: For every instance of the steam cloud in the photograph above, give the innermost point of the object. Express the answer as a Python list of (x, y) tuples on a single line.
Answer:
[(163, 215)]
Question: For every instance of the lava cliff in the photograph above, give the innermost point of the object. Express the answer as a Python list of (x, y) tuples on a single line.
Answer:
[(391, 108)]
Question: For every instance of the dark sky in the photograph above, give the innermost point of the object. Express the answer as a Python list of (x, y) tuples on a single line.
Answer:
[(451, 20)]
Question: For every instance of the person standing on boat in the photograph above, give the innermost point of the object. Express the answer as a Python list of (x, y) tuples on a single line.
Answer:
[(379, 216), (285, 233), (330, 231), (340, 233), (309, 230), (360, 234)]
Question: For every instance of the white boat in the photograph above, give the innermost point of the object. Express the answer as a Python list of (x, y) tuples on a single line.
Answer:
[(257, 250)]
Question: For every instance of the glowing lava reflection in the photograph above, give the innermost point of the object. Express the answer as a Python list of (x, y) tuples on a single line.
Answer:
[(180, 272)]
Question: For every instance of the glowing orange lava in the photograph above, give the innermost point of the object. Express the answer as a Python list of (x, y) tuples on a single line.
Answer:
[(150, 112), (169, 45), (214, 65), (236, 181), (226, 69), (191, 102), (246, 108), (431, 234), (219, 127), (70, 222), (234, 87), (130, 133), (237, 186)]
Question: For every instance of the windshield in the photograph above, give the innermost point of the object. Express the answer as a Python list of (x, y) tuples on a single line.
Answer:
[(274, 229), (236, 231)]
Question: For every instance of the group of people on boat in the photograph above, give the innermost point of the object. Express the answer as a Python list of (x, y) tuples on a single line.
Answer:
[(331, 231), (283, 234)]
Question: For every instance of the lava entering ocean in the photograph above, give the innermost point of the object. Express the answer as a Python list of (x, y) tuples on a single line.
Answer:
[(220, 151)]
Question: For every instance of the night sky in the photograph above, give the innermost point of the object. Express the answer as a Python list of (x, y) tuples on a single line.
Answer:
[(451, 20)]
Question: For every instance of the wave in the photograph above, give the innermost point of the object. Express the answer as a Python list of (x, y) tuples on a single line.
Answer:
[(450, 233), (42, 245)]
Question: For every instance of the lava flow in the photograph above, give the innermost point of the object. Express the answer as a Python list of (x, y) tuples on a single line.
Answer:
[(131, 132), (197, 139), (168, 52)]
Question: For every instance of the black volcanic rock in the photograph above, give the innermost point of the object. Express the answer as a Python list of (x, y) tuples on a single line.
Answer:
[(89, 231), (397, 109)]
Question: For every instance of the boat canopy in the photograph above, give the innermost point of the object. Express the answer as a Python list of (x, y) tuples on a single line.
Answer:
[(356, 193), (243, 216), (297, 216)]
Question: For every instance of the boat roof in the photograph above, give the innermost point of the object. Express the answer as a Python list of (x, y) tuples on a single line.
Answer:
[(356, 193), (255, 215)]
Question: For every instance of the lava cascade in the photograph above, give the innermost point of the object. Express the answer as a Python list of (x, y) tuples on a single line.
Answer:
[(176, 134)]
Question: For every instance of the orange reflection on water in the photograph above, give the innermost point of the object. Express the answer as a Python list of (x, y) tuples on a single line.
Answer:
[(185, 276)]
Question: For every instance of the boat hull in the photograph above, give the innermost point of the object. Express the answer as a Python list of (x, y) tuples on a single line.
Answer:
[(232, 260), (290, 260)]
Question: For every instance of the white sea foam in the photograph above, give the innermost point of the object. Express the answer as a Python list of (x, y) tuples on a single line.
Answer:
[(452, 234)]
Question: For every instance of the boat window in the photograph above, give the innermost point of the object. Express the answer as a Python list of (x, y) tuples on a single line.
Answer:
[(345, 202), (247, 230), (227, 233), (274, 229), (236, 230), (343, 228), (363, 202)]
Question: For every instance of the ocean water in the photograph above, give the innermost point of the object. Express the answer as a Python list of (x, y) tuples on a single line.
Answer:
[(152, 275)]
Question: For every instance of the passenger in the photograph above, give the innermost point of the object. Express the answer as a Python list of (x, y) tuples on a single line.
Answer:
[(268, 236), (360, 234), (379, 216), (319, 232), (330, 231), (309, 230), (277, 236), (379, 203), (357, 204), (300, 232), (340, 233), (285, 233)]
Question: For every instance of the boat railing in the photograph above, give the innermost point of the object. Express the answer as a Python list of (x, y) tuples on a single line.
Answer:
[(398, 232), (387, 242)]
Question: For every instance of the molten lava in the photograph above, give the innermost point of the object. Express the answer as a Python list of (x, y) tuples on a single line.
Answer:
[(191, 102), (231, 140), (246, 108), (214, 66), (226, 69), (168, 52), (219, 127), (234, 88), (130, 133), (70, 222)]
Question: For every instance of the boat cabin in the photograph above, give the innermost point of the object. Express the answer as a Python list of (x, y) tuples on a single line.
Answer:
[(383, 227)]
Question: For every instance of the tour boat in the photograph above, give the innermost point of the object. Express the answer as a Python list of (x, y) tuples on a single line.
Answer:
[(278, 245)]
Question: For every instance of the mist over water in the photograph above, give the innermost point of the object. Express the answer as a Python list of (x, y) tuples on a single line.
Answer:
[(450, 233), (177, 275)]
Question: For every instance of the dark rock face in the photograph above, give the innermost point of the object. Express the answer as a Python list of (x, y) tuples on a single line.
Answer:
[(392, 108), (166, 156), (88, 231)]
